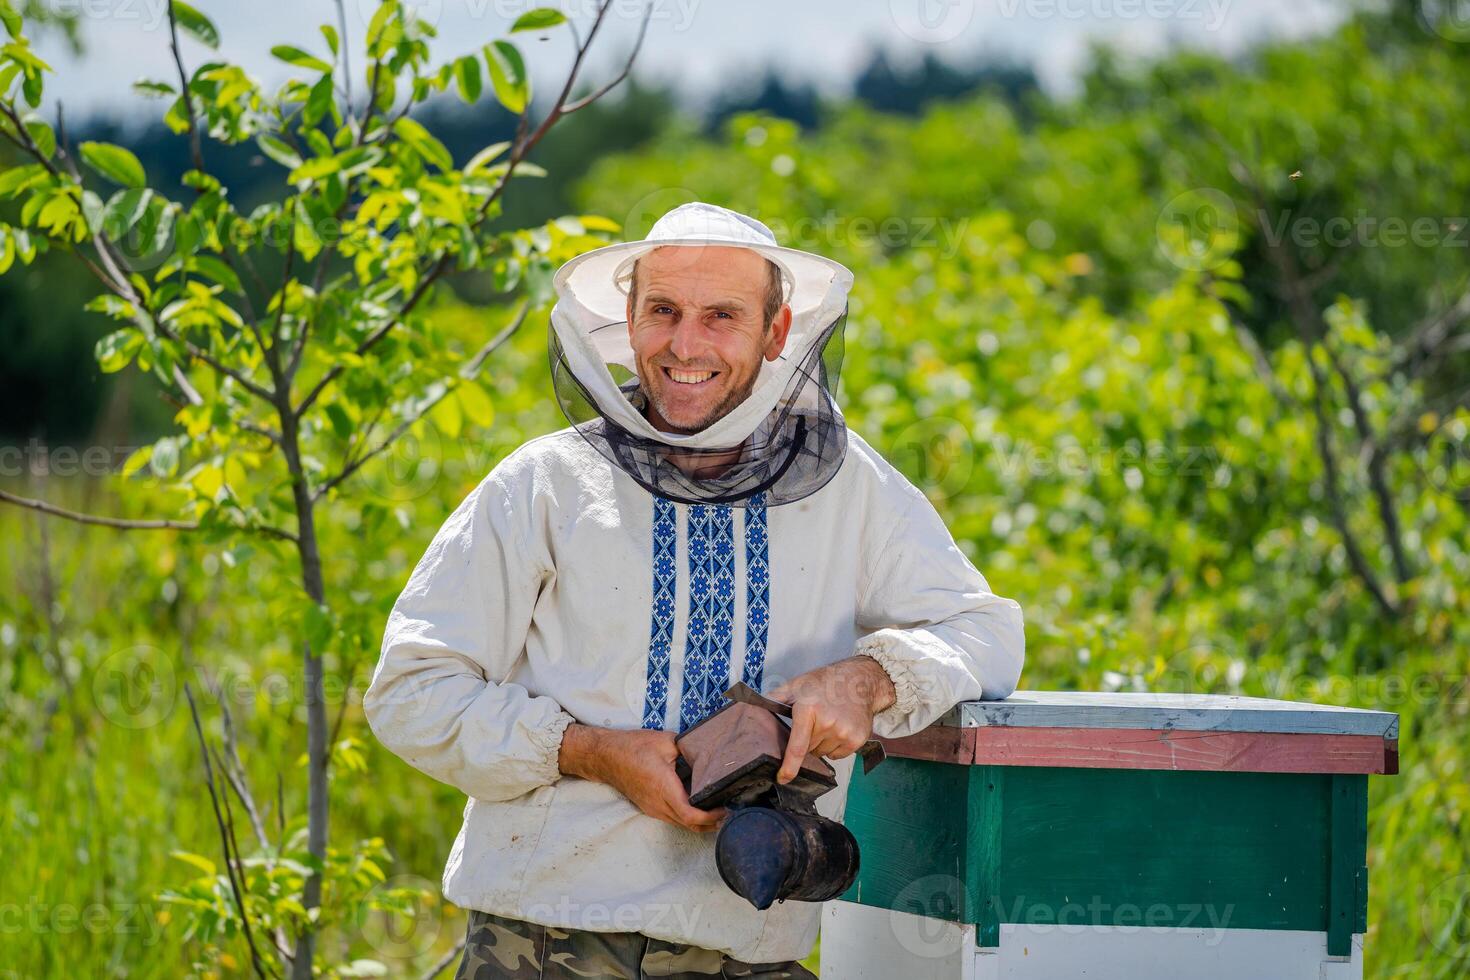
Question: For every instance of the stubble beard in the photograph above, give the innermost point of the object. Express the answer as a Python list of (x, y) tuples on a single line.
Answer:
[(725, 406)]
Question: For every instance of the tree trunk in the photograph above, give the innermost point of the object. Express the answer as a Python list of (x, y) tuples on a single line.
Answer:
[(317, 750)]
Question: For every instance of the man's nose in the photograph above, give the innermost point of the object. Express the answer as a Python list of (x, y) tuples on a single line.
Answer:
[(688, 342)]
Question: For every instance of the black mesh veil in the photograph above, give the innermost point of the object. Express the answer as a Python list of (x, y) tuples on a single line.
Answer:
[(792, 453)]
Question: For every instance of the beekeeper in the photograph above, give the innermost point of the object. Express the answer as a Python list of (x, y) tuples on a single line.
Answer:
[(707, 518)]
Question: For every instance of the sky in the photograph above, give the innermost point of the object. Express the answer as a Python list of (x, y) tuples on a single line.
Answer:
[(700, 47)]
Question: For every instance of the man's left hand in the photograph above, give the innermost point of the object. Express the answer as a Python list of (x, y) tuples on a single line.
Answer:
[(832, 710)]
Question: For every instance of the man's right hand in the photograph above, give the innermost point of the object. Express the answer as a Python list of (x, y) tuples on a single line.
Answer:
[(640, 765)]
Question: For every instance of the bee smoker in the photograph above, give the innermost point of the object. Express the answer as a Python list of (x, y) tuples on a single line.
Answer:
[(774, 845)]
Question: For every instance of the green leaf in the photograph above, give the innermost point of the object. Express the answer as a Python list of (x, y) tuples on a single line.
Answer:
[(14, 180), (31, 88), (319, 102), (341, 422), (200, 862), (114, 306), (124, 211), (116, 350), (21, 51), (478, 407), (278, 150), (216, 269), (177, 117), (448, 415), (538, 19), (42, 135), (315, 168), (508, 75), (301, 59), (378, 25), (485, 156), (195, 24), (330, 33), (164, 461), (423, 143), (319, 626), (92, 210), (115, 163), (136, 461), (10, 18), (152, 89), (206, 479), (467, 78)]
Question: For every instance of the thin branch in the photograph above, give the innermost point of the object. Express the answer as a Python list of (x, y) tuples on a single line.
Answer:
[(63, 147), (182, 380), (1258, 356), (445, 961), (196, 147), (372, 100), (200, 353), (80, 518), (587, 100), (1430, 335), (155, 524), (1377, 477), (22, 140), (262, 430), (1308, 324), (237, 886), (468, 370)]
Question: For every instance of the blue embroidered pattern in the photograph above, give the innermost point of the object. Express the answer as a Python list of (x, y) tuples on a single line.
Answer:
[(661, 634), (757, 590), (711, 611)]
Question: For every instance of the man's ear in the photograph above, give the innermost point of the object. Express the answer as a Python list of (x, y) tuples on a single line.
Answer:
[(780, 328)]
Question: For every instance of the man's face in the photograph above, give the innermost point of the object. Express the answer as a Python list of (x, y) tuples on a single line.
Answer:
[(698, 332)]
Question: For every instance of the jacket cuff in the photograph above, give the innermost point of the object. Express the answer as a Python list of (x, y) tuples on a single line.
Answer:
[(546, 769), (905, 681)]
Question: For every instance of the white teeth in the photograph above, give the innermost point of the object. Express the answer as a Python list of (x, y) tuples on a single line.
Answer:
[(690, 377)]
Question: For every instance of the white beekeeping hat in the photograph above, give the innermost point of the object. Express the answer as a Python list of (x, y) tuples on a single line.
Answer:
[(790, 431)]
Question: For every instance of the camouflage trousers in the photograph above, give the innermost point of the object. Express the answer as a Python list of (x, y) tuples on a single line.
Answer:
[(498, 948)]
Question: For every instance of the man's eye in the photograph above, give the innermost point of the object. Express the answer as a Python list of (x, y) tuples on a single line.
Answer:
[(722, 313), (663, 309)]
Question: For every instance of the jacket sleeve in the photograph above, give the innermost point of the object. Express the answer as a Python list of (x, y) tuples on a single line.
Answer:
[(933, 624), (439, 698)]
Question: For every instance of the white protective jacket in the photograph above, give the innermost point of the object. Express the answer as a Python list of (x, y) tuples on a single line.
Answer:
[(559, 590)]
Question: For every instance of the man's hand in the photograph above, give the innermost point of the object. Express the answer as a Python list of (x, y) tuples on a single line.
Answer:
[(832, 710), (640, 765)]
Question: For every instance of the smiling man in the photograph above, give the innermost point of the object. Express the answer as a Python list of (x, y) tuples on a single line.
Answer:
[(707, 518)]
